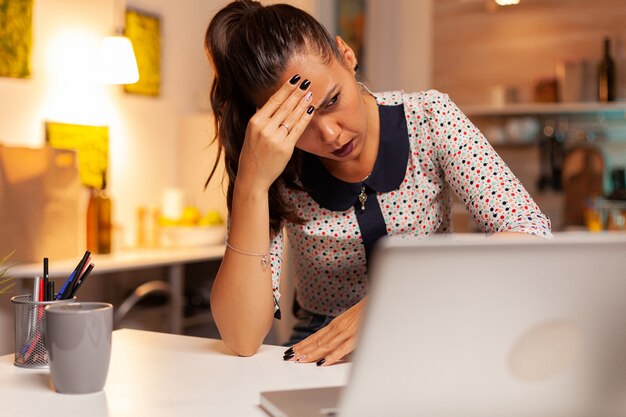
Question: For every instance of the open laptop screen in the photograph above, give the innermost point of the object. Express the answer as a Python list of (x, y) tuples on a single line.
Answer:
[(475, 326)]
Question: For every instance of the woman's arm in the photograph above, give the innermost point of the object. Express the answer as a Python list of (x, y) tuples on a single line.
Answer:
[(493, 195), (241, 298)]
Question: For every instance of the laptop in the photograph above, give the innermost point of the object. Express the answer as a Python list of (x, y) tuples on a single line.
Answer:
[(468, 325)]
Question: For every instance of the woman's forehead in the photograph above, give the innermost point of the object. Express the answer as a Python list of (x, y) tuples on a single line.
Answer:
[(322, 72)]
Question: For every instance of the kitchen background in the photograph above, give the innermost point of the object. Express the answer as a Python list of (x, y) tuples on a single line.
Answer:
[(494, 62)]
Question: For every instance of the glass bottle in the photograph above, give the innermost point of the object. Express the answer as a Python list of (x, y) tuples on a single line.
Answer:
[(606, 74), (104, 218), (92, 220)]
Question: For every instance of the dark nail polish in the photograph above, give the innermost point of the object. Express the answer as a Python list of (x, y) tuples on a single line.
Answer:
[(288, 351), (305, 84), (288, 356), (294, 79), (310, 109), (320, 362)]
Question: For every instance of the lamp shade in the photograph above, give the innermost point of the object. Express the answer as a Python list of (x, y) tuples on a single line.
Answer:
[(117, 63)]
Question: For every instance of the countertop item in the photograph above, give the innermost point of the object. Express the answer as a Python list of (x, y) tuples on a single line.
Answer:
[(582, 179)]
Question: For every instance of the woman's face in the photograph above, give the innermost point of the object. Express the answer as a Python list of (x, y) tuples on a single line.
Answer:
[(338, 128)]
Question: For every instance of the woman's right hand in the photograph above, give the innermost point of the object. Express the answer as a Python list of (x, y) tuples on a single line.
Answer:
[(273, 131)]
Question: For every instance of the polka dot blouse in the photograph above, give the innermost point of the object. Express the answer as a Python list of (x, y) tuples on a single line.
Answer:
[(428, 149)]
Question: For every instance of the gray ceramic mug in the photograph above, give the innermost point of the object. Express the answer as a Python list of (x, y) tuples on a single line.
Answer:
[(78, 341)]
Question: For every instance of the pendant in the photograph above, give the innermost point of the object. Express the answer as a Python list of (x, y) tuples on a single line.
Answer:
[(362, 197)]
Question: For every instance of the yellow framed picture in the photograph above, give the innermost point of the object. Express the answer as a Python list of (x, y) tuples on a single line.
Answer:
[(16, 37), (144, 31), (91, 144)]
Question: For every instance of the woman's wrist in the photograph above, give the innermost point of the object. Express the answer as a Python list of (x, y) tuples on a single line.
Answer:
[(246, 189), (250, 209)]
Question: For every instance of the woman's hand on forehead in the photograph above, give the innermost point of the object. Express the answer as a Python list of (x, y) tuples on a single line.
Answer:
[(274, 130)]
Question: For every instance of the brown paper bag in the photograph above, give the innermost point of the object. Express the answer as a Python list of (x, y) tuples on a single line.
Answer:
[(39, 204)]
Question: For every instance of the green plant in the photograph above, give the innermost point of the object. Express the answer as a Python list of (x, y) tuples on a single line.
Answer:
[(6, 281)]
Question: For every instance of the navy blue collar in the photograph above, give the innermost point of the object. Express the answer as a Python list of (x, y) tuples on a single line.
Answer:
[(387, 175)]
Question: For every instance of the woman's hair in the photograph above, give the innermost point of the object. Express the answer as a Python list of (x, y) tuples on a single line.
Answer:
[(250, 46)]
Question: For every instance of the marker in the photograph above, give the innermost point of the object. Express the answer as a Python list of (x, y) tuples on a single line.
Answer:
[(45, 279)]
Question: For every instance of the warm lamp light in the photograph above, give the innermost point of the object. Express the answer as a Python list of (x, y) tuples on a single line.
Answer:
[(507, 2), (117, 63)]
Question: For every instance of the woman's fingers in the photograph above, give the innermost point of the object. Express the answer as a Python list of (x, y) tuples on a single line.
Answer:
[(278, 98), (320, 344), (279, 106), (298, 120), (286, 113), (331, 343), (339, 353), (325, 341)]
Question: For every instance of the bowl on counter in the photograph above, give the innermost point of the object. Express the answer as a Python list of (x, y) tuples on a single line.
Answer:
[(192, 236)]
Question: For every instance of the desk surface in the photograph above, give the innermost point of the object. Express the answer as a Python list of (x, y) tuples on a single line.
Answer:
[(123, 260), (158, 374)]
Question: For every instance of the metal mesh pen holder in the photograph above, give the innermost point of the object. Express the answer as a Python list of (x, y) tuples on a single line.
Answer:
[(30, 351)]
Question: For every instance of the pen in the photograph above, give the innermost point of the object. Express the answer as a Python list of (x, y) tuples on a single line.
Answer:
[(81, 280), (80, 269), (73, 276), (65, 284)]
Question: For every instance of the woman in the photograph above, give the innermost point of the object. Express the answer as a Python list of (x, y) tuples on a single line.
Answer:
[(311, 152)]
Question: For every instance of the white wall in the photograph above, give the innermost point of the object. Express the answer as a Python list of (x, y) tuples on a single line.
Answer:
[(143, 130), (398, 45)]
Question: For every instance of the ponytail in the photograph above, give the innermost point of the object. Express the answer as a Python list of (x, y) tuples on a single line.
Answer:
[(249, 46)]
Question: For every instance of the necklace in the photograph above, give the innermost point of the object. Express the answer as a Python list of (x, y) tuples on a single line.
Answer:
[(362, 197), (362, 194)]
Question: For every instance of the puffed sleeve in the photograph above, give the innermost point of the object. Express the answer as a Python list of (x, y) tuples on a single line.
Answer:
[(276, 263), (496, 199)]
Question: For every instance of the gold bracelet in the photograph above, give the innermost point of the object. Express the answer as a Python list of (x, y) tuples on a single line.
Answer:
[(264, 256)]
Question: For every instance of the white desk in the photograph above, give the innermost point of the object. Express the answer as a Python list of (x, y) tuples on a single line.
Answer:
[(157, 374), (173, 259)]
